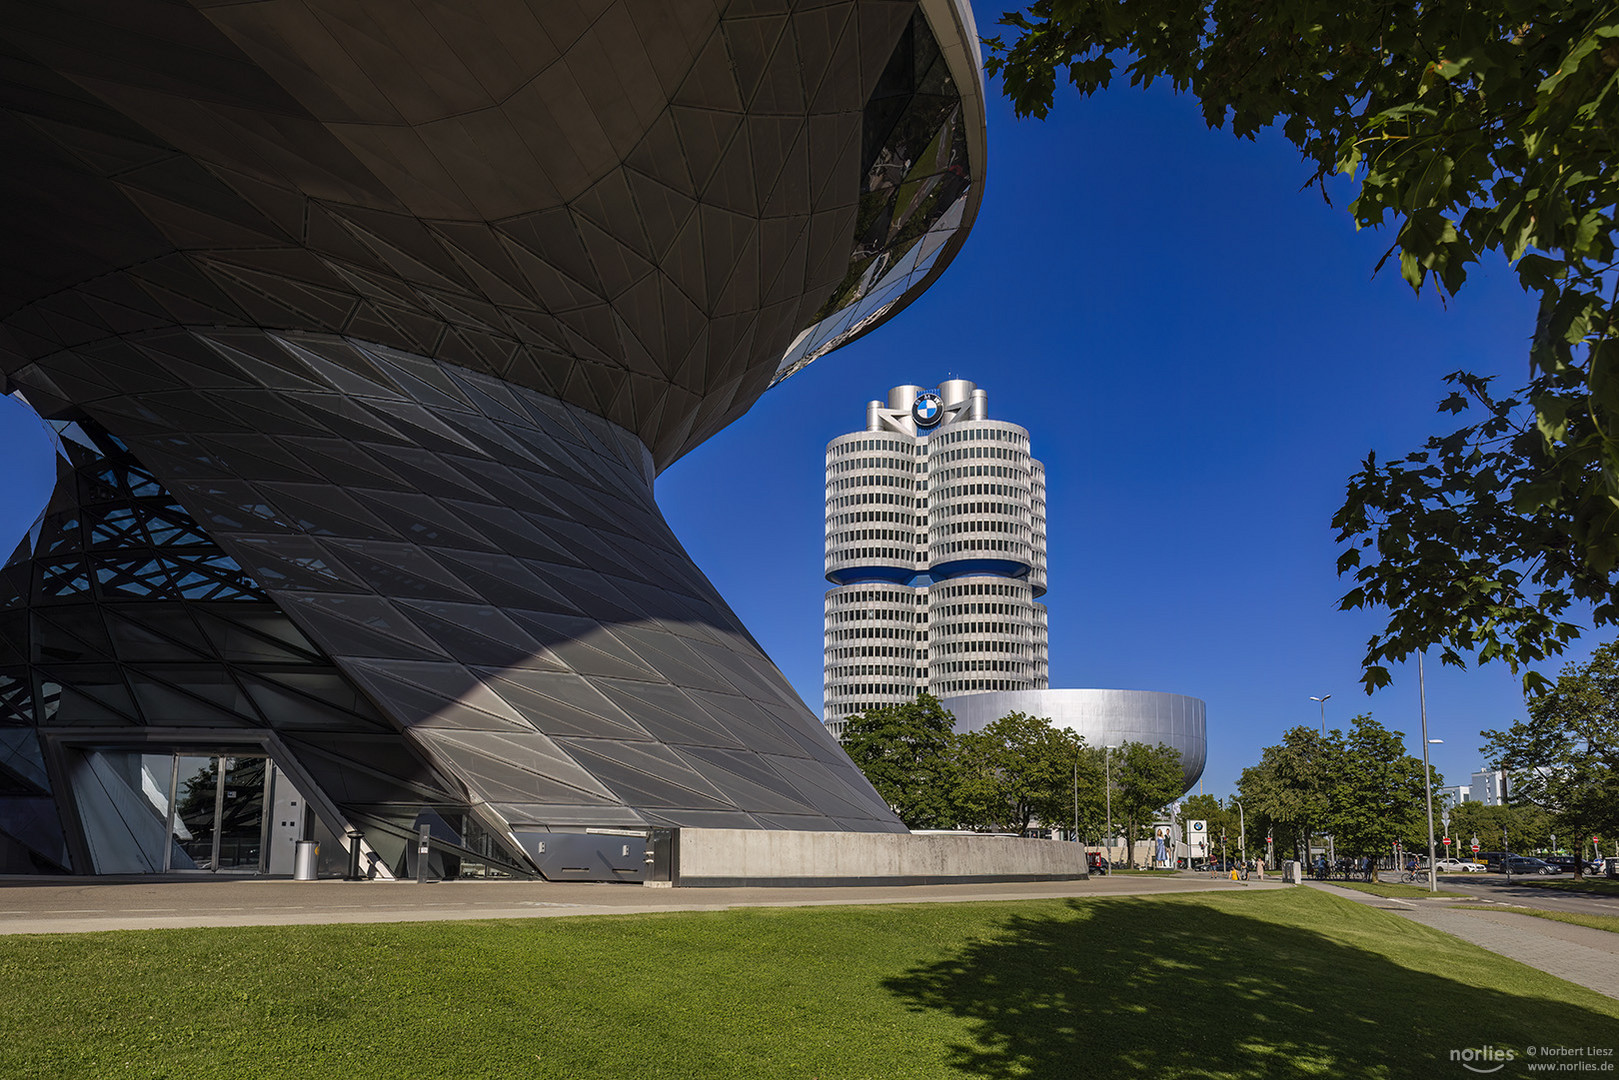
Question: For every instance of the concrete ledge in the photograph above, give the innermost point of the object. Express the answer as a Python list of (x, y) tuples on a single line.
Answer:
[(850, 883), (759, 858)]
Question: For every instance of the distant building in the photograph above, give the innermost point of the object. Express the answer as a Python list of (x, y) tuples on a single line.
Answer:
[(936, 551), (1456, 794), (1488, 787)]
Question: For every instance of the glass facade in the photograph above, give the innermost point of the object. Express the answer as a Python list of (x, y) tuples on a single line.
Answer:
[(916, 181), (132, 628)]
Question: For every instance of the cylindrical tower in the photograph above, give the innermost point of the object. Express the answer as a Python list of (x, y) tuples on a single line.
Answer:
[(875, 647), (980, 501), (936, 548), (982, 634), (875, 529)]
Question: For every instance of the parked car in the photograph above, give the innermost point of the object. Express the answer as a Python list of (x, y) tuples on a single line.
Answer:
[(1522, 864), (1568, 864), (1099, 864), (1457, 866), (1492, 859)]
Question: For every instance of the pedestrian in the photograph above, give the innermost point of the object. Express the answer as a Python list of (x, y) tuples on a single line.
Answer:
[(1259, 868)]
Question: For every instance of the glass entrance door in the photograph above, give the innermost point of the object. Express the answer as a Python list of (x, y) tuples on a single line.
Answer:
[(240, 825), (218, 814)]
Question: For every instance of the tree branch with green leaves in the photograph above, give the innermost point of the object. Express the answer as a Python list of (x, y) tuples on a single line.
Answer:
[(1468, 128)]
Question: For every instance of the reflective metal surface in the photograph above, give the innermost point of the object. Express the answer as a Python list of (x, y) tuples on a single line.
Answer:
[(1103, 718)]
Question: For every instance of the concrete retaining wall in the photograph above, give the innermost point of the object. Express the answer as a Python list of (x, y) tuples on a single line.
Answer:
[(767, 857)]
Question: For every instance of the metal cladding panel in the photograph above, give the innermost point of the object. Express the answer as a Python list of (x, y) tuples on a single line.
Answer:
[(642, 695), (648, 211), (1102, 717)]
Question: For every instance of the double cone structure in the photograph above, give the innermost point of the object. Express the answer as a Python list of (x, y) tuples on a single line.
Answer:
[(362, 331)]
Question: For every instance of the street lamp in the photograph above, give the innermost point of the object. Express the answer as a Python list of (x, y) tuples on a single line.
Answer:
[(1077, 751), (1427, 772), (1323, 699), (1107, 767), (1242, 829)]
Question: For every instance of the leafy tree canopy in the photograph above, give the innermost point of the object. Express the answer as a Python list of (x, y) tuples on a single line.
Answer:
[(1145, 779), (1287, 788), (1361, 787), (1375, 792), (1220, 818), (1564, 758), (907, 752), (1020, 768), (1522, 828), (1471, 128)]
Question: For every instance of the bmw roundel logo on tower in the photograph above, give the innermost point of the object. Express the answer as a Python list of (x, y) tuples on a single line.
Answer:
[(928, 409)]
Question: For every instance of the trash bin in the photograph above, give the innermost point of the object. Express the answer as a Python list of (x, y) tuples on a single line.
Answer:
[(354, 838), (305, 860)]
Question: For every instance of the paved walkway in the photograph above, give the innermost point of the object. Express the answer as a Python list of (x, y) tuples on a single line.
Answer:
[(1579, 954), (29, 907)]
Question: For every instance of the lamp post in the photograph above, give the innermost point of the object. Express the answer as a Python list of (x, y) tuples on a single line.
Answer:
[(1323, 699), (1427, 772), (1077, 750), (1242, 830), (1107, 767)]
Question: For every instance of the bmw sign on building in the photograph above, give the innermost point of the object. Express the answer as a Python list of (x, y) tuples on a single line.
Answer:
[(928, 409), (1197, 838)]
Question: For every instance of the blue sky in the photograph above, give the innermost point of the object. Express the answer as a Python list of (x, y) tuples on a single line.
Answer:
[(1202, 356)]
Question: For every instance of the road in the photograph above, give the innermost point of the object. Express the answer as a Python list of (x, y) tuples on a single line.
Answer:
[(1493, 889)]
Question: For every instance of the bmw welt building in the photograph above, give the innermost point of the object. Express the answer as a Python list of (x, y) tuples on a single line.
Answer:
[(361, 332)]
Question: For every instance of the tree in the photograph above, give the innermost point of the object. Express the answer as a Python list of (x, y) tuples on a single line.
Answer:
[(1017, 769), (1223, 820), (1499, 828), (1145, 779), (1375, 791), (1210, 809), (1470, 128), (1564, 759), (1287, 789), (907, 751)]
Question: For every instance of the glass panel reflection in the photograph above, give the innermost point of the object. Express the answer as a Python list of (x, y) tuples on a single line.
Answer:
[(916, 182), (195, 795)]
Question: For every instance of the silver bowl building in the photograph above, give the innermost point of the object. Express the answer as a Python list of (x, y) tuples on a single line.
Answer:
[(1102, 718), (362, 331)]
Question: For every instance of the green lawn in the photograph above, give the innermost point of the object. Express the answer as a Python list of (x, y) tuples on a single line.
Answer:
[(1251, 985)]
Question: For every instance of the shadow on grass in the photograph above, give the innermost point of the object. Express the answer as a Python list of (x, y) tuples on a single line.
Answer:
[(1131, 987)]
